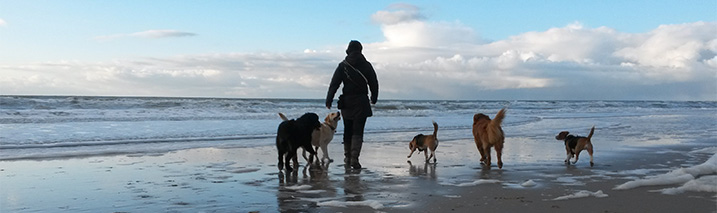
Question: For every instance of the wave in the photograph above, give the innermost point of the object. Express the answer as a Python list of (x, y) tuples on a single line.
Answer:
[(49, 125)]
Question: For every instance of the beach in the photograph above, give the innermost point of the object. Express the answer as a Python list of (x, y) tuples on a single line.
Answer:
[(247, 180), (100, 154)]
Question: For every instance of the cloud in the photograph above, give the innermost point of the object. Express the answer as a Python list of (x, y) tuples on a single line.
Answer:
[(404, 26), (148, 34), (399, 13), (417, 59), (3, 23)]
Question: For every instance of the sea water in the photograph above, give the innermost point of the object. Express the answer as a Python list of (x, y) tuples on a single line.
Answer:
[(39, 127)]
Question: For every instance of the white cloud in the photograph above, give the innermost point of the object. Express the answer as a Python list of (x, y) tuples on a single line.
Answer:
[(418, 58), (162, 34), (399, 13), (3, 23), (148, 34)]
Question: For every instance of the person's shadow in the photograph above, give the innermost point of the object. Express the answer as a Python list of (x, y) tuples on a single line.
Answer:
[(353, 188)]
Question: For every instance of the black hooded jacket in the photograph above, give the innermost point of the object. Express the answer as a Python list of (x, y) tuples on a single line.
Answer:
[(355, 90)]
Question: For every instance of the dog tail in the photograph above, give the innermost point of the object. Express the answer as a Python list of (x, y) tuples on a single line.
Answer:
[(435, 129), (591, 132), (499, 117), (283, 117)]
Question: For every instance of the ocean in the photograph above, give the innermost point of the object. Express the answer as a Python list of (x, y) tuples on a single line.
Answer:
[(45, 127)]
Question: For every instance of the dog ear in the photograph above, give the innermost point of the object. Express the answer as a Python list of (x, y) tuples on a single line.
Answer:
[(562, 135)]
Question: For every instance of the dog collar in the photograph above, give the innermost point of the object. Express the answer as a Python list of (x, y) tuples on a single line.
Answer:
[(332, 127)]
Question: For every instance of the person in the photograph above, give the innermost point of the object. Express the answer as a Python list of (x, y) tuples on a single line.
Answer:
[(355, 73)]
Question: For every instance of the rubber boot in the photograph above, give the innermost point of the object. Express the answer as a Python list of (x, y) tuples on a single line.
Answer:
[(347, 152), (356, 143)]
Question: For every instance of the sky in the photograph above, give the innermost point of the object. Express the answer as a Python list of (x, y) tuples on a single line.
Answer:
[(447, 50)]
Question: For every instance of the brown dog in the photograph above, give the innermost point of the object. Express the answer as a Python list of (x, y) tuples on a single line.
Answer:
[(425, 142), (488, 133), (575, 144)]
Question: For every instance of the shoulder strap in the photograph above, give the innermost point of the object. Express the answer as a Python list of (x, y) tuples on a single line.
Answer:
[(358, 71), (351, 79)]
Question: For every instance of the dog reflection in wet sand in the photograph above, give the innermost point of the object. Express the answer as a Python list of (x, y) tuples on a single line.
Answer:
[(423, 143)]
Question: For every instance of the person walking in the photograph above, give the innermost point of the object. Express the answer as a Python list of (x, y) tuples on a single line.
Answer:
[(355, 73)]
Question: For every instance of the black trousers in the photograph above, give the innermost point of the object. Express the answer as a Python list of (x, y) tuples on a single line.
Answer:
[(353, 137)]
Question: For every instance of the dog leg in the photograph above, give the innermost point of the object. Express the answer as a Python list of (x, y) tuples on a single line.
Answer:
[(296, 161), (303, 154), (433, 155), (569, 154), (567, 160), (577, 155), (499, 154), (312, 153), (287, 163), (410, 154), (482, 153), (487, 162), (324, 148), (281, 161), (590, 151), (425, 154)]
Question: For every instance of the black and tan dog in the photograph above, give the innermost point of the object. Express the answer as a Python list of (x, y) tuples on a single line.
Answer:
[(293, 134), (488, 133), (424, 143), (575, 144)]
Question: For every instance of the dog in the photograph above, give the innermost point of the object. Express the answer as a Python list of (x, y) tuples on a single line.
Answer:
[(293, 134), (488, 133), (424, 143), (575, 144), (321, 137)]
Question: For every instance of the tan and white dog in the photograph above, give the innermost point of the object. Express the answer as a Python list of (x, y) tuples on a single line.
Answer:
[(488, 133), (321, 137), (424, 143), (575, 144)]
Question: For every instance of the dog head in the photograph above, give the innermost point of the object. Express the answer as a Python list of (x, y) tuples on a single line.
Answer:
[(310, 120), (333, 118), (412, 144), (480, 116), (562, 135), (417, 142)]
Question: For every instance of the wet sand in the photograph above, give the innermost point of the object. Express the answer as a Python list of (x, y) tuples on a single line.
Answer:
[(533, 179)]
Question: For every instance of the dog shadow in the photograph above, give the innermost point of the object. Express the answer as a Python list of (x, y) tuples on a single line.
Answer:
[(487, 173), (420, 170)]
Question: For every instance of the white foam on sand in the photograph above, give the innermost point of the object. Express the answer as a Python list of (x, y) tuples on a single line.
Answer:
[(370, 203), (528, 183), (298, 187), (474, 183), (582, 194), (701, 178), (312, 191)]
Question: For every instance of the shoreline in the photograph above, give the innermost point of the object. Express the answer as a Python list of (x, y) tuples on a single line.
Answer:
[(247, 180)]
